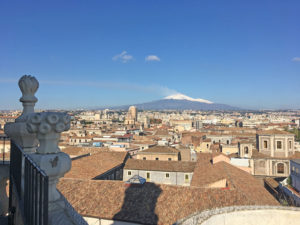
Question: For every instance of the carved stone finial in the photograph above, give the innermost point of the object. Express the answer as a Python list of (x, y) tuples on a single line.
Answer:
[(28, 85), (48, 126), (17, 131)]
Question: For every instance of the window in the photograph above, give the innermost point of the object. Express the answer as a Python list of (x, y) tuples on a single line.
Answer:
[(129, 173), (290, 144), (207, 146), (186, 178), (167, 175), (261, 164), (279, 145), (227, 142), (156, 158), (169, 159), (144, 158), (265, 144), (246, 150), (293, 168), (148, 176), (280, 168)]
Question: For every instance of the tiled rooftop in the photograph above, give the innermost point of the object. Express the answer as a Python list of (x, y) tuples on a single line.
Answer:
[(160, 149), (151, 203), (73, 150), (274, 131), (155, 165), (206, 173), (94, 165)]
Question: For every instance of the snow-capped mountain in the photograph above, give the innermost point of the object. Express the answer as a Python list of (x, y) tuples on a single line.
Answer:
[(184, 97), (180, 102)]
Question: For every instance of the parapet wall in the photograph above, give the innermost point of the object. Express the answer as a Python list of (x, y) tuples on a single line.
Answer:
[(246, 215)]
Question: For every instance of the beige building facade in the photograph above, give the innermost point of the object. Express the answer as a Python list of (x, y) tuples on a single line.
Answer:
[(274, 151), (276, 144)]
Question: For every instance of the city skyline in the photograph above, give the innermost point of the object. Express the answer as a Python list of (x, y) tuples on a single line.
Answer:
[(104, 54)]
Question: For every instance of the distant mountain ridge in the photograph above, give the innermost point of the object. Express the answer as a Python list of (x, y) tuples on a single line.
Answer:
[(179, 102)]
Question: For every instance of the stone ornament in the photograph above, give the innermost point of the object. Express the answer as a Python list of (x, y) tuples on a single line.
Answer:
[(17, 131), (44, 128), (48, 127), (28, 85)]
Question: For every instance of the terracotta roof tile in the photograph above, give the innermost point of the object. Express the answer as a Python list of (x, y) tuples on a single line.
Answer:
[(160, 149), (73, 150), (206, 173), (94, 165), (274, 131), (150, 203), (156, 165)]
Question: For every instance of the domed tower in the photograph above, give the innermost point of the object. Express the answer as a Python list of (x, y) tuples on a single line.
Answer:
[(131, 116)]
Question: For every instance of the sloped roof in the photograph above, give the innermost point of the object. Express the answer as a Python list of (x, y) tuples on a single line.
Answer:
[(206, 173), (151, 203), (74, 150), (273, 132), (162, 132), (160, 149), (156, 165), (94, 165)]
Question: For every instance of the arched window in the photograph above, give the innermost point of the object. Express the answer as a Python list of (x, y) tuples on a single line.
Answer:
[(280, 168), (246, 150)]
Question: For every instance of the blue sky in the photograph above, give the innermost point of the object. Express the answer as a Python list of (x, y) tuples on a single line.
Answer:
[(93, 53)]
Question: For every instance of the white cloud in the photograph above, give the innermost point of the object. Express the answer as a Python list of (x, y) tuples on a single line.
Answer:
[(296, 59), (123, 57), (152, 58)]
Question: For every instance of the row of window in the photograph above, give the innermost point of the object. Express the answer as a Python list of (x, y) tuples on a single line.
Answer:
[(79, 141), (280, 166), (167, 175), (227, 142), (278, 144), (145, 158)]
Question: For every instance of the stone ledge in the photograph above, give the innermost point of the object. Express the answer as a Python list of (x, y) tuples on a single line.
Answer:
[(200, 217)]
